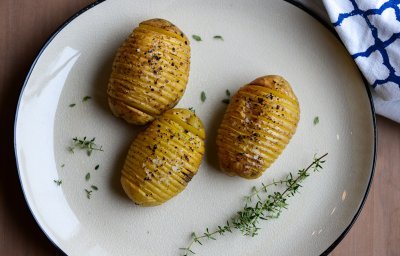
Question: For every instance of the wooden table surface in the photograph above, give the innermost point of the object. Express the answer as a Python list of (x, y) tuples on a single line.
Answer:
[(25, 26)]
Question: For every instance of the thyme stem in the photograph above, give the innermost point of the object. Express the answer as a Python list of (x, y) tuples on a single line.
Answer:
[(247, 219)]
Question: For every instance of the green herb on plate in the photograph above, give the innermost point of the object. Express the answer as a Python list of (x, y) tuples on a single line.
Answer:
[(219, 37), (267, 206), (72, 105), (84, 143), (88, 193), (203, 96), (58, 182), (316, 120), (196, 37), (87, 176), (86, 98)]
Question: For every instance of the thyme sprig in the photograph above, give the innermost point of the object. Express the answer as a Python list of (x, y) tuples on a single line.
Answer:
[(268, 207), (84, 143)]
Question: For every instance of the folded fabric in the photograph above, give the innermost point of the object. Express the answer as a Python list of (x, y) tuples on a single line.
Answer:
[(370, 30)]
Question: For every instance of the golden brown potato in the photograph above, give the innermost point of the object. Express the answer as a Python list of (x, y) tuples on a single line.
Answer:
[(258, 124), (150, 72), (163, 158)]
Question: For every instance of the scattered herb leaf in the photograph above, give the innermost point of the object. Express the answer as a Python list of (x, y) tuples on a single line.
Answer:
[(226, 101), (86, 98), (94, 187), (196, 37), (72, 105), (87, 177), (88, 193), (84, 143), (96, 167), (62, 166), (228, 93), (219, 37), (267, 207), (58, 182), (316, 120), (192, 109), (203, 96)]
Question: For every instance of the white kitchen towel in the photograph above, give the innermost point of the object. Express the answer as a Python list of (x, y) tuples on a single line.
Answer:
[(370, 30)]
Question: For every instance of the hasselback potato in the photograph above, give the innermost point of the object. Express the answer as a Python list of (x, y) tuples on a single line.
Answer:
[(163, 158), (260, 120), (150, 72)]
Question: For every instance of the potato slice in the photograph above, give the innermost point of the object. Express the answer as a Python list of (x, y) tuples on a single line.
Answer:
[(163, 158), (150, 72), (258, 124)]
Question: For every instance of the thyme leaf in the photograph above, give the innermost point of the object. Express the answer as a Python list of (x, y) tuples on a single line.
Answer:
[(316, 120), (86, 98), (203, 96), (196, 37)]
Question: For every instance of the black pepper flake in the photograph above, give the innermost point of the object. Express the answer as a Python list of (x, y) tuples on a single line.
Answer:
[(260, 100), (277, 106), (186, 131), (186, 42), (173, 49), (152, 89)]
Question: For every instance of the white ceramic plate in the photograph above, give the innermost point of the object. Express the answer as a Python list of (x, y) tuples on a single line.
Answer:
[(260, 37)]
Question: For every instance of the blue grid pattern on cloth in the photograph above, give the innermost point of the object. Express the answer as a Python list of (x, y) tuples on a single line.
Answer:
[(378, 45)]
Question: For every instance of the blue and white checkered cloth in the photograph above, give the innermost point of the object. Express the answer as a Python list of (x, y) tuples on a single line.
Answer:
[(370, 30)]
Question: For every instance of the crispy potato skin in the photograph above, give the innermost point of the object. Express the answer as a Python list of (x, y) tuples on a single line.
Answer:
[(150, 72), (163, 158), (258, 124)]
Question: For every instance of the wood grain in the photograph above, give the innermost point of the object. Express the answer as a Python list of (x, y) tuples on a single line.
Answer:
[(25, 26)]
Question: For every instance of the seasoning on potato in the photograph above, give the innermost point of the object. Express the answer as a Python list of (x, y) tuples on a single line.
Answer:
[(150, 72), (163, 158), (258, 124)]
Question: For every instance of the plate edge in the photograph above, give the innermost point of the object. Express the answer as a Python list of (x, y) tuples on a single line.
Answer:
[(375, 138), (38, 55)]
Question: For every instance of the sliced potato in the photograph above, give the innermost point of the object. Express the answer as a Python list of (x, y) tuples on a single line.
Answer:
[(150, 72), (258, 124), (163, 158)]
